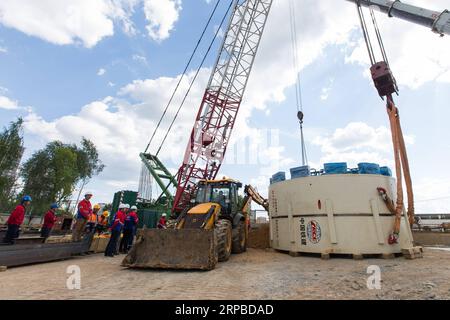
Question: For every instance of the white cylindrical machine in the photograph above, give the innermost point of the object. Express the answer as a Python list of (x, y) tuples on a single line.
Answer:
[(335, 214)]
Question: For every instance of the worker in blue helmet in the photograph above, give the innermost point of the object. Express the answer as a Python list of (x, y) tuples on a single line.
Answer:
[(49, 221), (15, 220)]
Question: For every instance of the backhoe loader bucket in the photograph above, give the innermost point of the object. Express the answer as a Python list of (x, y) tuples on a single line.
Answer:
[(173, 249)]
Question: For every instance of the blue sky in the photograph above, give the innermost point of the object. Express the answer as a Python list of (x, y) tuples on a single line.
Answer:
[(109, 76)]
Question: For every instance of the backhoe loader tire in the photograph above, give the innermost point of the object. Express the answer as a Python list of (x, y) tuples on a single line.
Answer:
[(224, 239), (240, 237)]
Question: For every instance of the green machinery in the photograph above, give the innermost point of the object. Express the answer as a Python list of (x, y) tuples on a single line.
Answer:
[(162, 176), (149, 213)]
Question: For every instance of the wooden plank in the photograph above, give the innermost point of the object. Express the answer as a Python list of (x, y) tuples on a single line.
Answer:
[(325, 256), (376, 216), (413, 253), (331, 222)]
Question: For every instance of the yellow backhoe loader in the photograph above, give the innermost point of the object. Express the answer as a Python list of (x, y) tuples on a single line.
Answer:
[(215, 226)]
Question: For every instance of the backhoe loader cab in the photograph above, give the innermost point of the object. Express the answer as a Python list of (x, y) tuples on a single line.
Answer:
[(216, 203), (223, 192), (204, 234)]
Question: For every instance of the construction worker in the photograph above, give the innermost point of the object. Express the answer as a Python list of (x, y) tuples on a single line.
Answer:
[(49, 221), (15, 220), (102, 222), (129, 230), (221, 199), (93, 218), (116, 230), (84, 210), (136, 221), (162, 222)]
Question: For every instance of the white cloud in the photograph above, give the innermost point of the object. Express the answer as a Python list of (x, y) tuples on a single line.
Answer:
[(3, 50), (140, 59), (101, 72), (120, 127), (87, 22), (8, 104), (432, 195), (161, 15), (325, 92), (60, 22), (358, 142), (416, 55)]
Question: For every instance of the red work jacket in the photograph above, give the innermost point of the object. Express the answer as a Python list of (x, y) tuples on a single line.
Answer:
[(49, 219), (17, 215), (84, 209)]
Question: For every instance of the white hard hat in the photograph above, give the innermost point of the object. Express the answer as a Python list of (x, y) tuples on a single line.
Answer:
[(88, 193), (127, 206), (122, 206), (133, 208), (164, 215)]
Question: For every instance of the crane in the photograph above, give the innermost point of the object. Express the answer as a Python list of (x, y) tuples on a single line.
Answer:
[(216, 117), (439, 22), (222, 99), (193, 243)]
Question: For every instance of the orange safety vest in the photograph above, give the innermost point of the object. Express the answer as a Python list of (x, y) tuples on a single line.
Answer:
[(93, 218), (103, 221)]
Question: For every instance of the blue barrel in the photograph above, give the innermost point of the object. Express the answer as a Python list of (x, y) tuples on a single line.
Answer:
[(335, 168), (278, 177), (386, 171), (300, 172), (369, 168)]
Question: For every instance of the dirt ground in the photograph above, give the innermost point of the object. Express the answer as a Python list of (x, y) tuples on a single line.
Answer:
[(257, 274)]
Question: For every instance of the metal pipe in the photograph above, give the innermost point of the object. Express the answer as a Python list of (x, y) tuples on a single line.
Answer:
[(438, 22)]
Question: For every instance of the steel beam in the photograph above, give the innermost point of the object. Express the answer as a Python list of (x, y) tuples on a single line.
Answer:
[(18, 255), (438, 22)]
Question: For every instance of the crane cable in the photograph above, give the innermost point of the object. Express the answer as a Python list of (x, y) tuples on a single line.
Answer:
[(219, 28), (298, 86), (183, 74), (400, 154)]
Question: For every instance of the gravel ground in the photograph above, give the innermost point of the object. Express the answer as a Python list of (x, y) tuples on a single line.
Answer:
[(257, 274)]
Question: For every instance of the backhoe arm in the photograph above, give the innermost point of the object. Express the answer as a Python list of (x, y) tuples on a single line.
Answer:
[(252, 195)]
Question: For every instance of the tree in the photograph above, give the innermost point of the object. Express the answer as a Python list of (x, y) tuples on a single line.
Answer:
[(11, 151), (89, 163), (51, 174)]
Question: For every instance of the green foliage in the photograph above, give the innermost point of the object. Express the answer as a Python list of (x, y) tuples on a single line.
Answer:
[(11, 151), (89, 164), (51, 174)]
